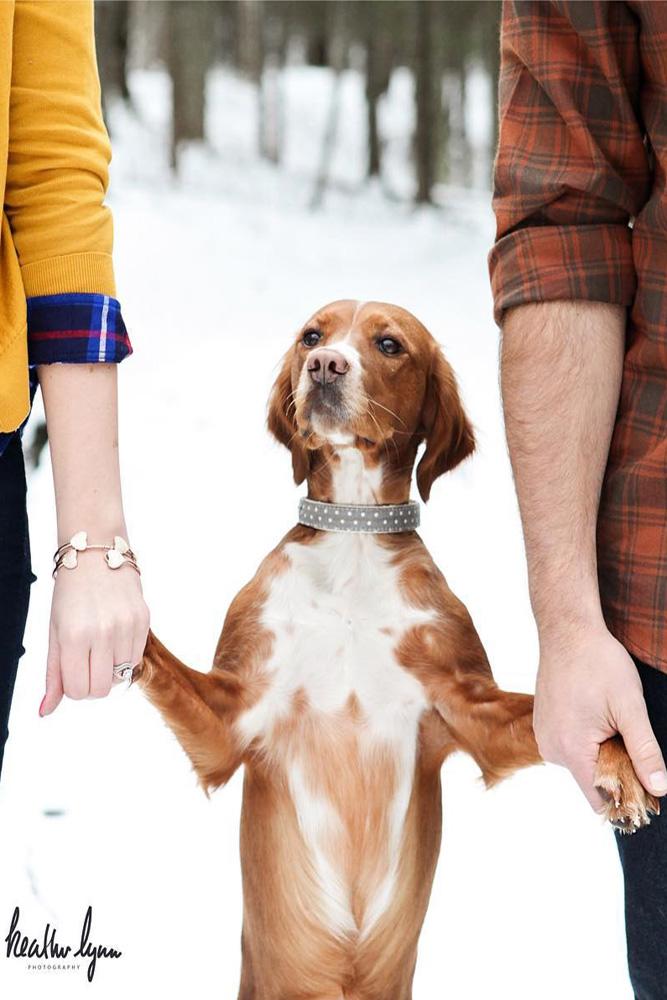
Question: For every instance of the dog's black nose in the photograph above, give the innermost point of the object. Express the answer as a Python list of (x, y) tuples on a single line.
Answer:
[(326, 365)]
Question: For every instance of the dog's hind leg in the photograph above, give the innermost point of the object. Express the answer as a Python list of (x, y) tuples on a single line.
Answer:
[(199, 708)]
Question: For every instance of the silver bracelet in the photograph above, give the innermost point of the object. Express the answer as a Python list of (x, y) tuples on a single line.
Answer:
[(116, 555)]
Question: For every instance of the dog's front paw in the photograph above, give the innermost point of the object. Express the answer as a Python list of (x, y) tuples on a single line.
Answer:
[(629, 806)]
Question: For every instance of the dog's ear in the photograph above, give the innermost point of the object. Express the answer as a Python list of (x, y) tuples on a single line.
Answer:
[(445, 426), (281, 420)]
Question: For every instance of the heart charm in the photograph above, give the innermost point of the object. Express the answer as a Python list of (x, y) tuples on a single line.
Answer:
[(114, 558), (69, 560), (120, 545), (79, 541)]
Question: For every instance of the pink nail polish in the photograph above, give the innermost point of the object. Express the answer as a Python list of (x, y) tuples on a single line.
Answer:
[(41, 707)]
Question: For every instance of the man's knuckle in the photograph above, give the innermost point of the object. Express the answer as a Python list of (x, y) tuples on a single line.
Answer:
[(645, 748), (633, 706)]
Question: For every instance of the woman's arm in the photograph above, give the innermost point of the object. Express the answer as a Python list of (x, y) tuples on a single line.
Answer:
[(57, 175), (98, 616)]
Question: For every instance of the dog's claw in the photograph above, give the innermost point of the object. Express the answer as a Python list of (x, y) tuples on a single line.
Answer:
[(629, 806)]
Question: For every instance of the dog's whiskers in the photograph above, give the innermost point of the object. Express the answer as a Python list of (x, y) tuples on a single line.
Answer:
[(391, 413)]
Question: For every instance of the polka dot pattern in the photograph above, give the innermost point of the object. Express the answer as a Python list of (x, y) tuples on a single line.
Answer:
[(367, 519)]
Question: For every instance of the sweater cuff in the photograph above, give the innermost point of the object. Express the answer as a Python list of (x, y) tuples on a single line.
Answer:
[(76, 329), (549, 263), (72, 273)]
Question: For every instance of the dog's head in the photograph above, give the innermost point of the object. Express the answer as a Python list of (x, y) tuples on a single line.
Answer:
[(367, 374)]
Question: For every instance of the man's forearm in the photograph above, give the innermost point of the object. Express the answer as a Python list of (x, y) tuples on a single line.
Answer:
[(561, 370)]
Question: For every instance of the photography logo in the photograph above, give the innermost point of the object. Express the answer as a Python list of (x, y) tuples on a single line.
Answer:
[(47, 953)]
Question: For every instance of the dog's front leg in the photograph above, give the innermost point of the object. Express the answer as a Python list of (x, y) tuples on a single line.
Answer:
[(199, 708), (495, 727)]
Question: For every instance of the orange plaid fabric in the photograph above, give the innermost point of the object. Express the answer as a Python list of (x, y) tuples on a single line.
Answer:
[(581, 208)]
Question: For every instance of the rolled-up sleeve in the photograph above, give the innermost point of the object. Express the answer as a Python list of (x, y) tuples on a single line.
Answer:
[(572, 169), (57, 176)]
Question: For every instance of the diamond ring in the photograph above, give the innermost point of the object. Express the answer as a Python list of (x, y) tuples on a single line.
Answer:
[(123, 671)]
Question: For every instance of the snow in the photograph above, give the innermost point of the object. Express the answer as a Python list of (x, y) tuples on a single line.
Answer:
[(215, 272)]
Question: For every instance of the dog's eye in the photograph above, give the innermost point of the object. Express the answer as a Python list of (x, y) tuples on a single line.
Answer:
[(311, 338), (389, 346)]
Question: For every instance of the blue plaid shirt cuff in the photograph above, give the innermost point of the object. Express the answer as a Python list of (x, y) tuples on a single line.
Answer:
[(76, 329)]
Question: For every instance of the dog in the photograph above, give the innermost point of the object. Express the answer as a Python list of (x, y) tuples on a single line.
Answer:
[(347, 671)]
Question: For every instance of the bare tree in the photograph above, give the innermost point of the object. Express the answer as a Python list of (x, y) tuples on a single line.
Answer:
[(274, 44), (337, 48), (439, 41), (190, 28), (111, 39), (489, 16), (427, 104), (377, 79), (261, 32)]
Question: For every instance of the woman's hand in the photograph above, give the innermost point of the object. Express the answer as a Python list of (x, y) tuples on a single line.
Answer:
[(98, 619), (98, 615)]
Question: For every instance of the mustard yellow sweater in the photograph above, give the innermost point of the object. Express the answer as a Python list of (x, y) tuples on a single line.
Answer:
[(55, 235)]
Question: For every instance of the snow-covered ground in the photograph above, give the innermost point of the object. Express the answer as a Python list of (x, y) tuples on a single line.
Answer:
[(98, 805)]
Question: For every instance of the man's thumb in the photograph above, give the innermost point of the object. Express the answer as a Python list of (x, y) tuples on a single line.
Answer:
[(644, 751)]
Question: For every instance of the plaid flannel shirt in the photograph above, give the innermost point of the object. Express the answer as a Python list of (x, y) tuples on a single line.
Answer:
[(581, 209), (75, 329)]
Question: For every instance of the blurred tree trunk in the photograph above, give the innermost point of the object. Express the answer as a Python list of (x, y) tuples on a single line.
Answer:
[(378, 71), (491, 56), (337, 41), (148, 32), (249, 17), (111, 41), (426, 101), (317, 17), (275, 34), (372, 97), (251, 56), (190, 28)]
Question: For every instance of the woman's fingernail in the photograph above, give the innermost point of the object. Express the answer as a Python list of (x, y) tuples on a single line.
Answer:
[(41, 706), (658, 781)]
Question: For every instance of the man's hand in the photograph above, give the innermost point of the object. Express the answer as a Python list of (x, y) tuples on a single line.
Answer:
[(98, 619), (588, 689)]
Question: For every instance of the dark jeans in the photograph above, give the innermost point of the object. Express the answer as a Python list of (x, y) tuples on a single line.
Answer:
[(644, 861), (15, 575)]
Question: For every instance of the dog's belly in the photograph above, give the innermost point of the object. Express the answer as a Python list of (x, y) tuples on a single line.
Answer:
[(337, 724)]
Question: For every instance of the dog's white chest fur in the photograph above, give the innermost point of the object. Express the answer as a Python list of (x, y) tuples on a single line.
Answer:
[(337, 614)]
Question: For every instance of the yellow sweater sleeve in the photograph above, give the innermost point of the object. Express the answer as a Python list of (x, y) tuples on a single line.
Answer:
[(59, 152)]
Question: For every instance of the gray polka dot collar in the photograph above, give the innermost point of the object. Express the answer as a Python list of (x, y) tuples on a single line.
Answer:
[(370, 519)]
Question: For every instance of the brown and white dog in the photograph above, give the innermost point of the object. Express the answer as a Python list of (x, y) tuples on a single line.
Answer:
[(345, 674)]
